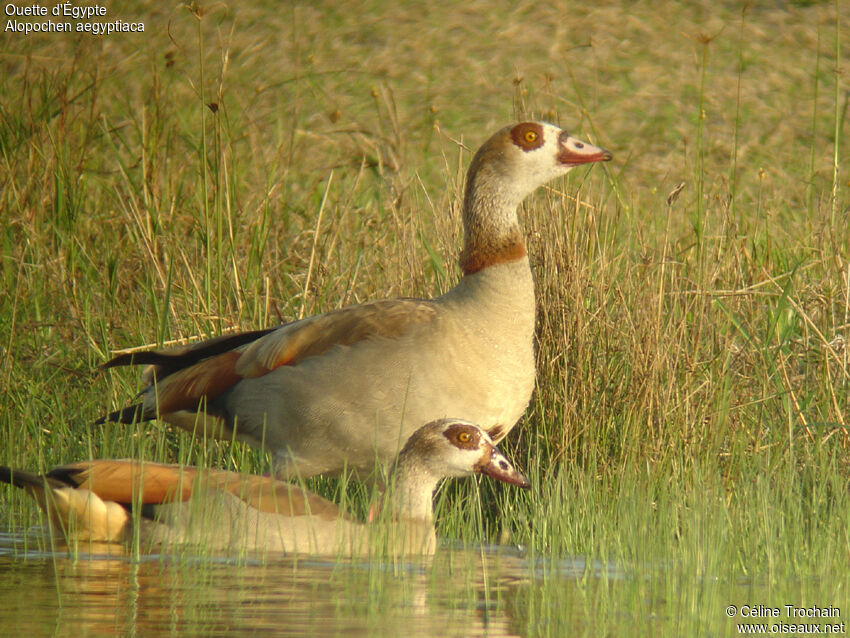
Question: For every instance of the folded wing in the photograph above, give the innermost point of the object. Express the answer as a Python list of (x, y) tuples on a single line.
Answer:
[(190, 378), (91, 500)]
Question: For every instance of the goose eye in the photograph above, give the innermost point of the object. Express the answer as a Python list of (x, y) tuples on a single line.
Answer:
[(464, 437), (527, 136)]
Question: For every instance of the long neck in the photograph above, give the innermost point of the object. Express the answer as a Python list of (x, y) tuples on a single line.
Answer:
[(410, 497), (491, 228)]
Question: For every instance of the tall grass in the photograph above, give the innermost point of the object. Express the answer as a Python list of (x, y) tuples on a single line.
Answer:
[(236, 169)]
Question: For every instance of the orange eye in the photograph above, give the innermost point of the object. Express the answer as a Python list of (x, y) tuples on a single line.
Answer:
[(527, 136), (464, 437)]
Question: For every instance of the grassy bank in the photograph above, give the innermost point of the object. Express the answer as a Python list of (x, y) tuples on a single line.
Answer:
[(229, 169)]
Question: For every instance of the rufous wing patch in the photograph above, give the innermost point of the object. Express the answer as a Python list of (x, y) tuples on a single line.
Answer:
[(207, 379), (130, 482)]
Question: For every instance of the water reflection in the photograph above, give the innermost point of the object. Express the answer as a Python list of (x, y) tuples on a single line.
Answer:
[(103, 591)]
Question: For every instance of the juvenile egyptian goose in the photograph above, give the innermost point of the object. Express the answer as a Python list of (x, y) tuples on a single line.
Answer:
[(219, 510), (348, 387)]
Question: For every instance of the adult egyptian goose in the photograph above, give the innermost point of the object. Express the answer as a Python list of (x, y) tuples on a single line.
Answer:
[(348, 387), (219, 510)]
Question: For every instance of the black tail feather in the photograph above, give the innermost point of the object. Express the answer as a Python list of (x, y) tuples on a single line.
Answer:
[(130, 414), (170, 362), (149, 357), (20, 478), (7, 475)]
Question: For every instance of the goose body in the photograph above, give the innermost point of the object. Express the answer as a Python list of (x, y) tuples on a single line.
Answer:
[(217, 510), (347, 388)]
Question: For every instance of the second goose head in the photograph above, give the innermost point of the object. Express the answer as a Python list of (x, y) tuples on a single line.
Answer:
[(444, 448)]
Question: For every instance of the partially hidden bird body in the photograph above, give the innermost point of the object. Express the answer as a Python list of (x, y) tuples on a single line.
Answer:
[(221, 511), (347, 388)]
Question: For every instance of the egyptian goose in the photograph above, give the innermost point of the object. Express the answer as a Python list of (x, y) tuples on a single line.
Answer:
[(346, 388), (219, 510)]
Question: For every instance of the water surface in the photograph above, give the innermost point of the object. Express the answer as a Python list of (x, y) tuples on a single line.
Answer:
[(491, 591), (102, 590)]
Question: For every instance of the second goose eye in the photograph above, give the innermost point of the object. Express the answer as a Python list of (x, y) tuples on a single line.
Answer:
[(530, 137)]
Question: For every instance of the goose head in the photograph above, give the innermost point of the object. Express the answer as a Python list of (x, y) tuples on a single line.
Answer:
[(444, 448), (505, 170), (454, 447), (527, 155)]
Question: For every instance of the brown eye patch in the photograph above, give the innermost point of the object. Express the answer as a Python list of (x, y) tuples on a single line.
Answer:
[(528, 136), (462, 436)]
